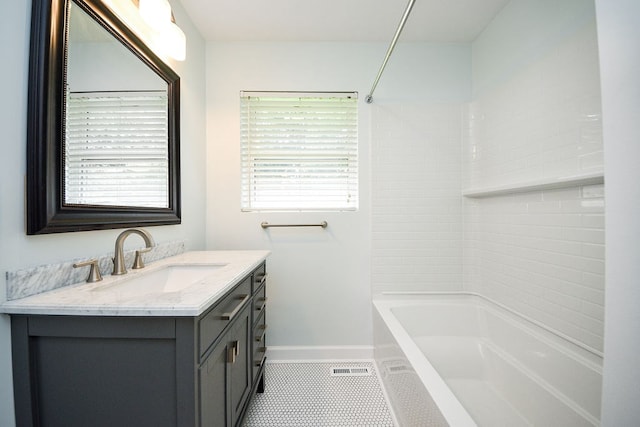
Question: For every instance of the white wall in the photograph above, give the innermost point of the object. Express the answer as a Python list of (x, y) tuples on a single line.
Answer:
[(619, 40), (319, 279), (17, 250), (416, 125), (536, 114)]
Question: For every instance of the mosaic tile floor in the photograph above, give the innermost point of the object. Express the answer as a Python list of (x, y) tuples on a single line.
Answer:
[(306, 394)]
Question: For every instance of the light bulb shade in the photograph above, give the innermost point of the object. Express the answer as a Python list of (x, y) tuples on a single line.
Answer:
[(174, 42), (156, 13)]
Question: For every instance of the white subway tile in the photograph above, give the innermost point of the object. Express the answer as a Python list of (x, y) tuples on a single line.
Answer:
[(596, 311), (417, 207), (585, 235), (593, 281), (592, 251), (563, 194), (593, 221), (541, 252), (592, 191)]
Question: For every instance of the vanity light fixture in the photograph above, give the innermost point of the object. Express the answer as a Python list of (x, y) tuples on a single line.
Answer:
[(156, 13), (153, 21), (174, 41)]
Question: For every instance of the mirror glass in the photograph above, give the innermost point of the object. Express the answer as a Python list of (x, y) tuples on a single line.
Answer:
[(116, 133), (103, 123)]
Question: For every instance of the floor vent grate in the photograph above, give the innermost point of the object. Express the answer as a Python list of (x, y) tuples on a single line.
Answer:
[(342, 371)]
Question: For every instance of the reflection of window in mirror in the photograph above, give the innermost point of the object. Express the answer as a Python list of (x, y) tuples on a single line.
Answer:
[(116, 149), (116, 145)]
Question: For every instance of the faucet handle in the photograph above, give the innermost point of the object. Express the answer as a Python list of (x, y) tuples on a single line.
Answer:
[(94, 271), (137, 261)]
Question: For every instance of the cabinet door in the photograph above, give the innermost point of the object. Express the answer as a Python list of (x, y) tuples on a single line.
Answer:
[(213, 387), (238, 340)]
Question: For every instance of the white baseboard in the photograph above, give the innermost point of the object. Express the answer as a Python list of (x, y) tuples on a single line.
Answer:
[(319, 353)]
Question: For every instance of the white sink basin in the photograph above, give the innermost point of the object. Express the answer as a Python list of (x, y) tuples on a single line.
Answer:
[(171, 278)]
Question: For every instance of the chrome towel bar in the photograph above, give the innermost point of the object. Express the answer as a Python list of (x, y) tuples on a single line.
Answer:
[(322, 224)]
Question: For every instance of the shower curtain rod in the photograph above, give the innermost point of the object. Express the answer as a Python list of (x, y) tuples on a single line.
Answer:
[(407, 11)]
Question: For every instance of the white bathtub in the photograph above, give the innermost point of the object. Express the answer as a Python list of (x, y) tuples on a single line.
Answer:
[(463, 360)]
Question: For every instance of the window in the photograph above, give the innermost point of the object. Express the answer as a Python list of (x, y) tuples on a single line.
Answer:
[(116, 149), (299, 151)]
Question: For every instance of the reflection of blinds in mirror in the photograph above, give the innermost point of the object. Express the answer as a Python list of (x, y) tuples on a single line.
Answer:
[(116, 149)]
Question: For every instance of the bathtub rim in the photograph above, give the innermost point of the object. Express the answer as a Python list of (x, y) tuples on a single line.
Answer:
[(593, 355)]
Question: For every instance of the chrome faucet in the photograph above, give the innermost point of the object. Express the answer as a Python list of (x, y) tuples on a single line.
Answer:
[(118, 256)]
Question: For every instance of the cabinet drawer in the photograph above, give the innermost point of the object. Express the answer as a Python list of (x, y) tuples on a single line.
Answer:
[(259, 277), (259, 303), (214, 322), (259, 344)]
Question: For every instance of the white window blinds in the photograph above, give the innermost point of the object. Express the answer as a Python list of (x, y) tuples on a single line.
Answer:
[(299, 151), (116, 149)]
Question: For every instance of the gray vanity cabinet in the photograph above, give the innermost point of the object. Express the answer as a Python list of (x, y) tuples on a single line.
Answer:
[(139, 371)]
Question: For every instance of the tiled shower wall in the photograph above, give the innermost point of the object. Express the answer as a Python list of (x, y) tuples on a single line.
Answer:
[(417, 207), (538, 252), (543, 121), (541, 253)]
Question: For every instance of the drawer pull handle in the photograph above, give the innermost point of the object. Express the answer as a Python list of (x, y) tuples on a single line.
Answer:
[(259, 279), (264, 303), (234, 312), (261, 336), (259, 363)]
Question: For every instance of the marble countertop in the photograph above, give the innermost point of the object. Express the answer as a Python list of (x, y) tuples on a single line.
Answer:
[(114, 297)]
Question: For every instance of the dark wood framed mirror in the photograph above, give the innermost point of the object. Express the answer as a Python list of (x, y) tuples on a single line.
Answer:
[(52, 205)]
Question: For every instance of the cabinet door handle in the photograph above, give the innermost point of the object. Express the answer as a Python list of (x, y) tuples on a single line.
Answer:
[(232, 352), (234, 312)]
